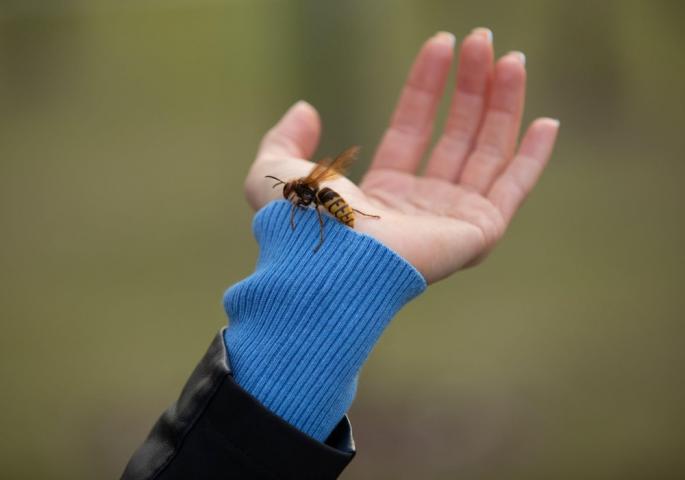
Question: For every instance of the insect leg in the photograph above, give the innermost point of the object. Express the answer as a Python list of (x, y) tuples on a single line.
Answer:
[(318, 213), (366, 214), (292, 216)]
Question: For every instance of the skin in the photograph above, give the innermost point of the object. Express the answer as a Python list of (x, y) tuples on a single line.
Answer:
[(452, 215)]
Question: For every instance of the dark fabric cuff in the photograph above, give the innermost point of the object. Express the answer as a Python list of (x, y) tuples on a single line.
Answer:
[(218, 430)]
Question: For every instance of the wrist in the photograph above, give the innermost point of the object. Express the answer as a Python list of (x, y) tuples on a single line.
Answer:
[(303, 323)]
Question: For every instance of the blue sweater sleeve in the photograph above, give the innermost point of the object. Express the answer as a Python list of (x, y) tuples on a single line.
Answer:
[(302, 325)]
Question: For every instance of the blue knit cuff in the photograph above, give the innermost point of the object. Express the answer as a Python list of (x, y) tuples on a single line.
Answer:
[(302, 325)]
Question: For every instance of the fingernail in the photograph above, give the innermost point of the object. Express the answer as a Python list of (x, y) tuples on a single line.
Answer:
[(446, 37), (483, 32), (555, 121), (299, 104), (520, 55)]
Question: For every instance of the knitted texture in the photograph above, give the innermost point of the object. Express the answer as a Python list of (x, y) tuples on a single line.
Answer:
[(302, 325)]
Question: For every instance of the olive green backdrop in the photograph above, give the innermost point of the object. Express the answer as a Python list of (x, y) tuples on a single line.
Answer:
[(126, 128)]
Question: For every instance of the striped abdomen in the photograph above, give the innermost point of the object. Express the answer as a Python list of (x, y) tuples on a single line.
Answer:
[(338, 207)]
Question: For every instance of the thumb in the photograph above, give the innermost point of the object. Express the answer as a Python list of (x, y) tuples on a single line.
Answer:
[(295, 135)]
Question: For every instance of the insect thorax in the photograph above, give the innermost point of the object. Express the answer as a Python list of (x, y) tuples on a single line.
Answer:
[(301, 193)]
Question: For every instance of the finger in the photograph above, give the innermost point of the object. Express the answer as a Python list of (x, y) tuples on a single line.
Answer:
[(497, 136), (466, 111), (520, 176), (295, 135), (411, 125)]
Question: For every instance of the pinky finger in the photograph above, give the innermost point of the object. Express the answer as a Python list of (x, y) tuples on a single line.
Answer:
[(519, 178)]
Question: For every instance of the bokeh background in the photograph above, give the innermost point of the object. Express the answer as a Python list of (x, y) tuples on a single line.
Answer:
[(126, 128)]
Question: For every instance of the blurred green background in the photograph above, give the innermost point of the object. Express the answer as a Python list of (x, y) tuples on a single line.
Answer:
[(126, 128)]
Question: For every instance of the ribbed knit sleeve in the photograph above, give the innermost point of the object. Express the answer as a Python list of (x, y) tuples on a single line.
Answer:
[(302, 325)]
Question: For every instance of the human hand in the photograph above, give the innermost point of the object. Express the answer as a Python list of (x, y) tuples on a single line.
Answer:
[(475, 179)]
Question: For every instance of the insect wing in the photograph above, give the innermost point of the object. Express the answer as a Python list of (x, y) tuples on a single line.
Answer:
[(319, 169), (328, 170)]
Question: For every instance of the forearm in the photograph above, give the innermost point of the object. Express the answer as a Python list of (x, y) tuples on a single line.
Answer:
[(270, 401), (302, 325)]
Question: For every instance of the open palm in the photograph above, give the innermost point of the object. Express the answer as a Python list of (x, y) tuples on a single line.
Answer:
[(475, 179)]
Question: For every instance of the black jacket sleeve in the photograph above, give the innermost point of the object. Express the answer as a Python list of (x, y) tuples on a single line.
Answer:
[(217, 430)]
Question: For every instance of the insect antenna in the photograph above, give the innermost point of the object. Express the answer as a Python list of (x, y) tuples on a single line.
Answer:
[(275, 178)]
